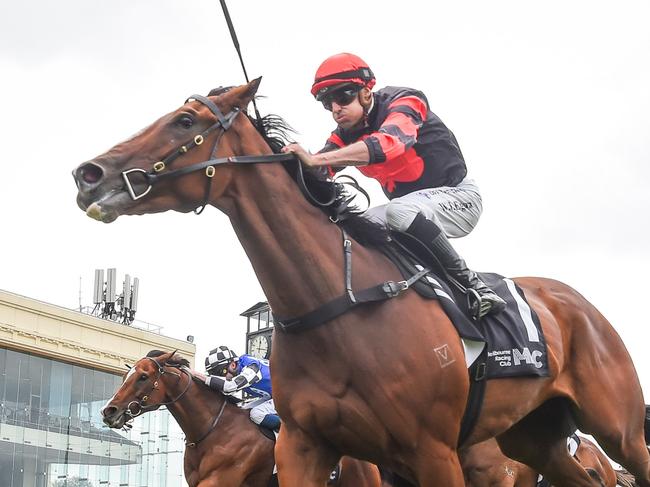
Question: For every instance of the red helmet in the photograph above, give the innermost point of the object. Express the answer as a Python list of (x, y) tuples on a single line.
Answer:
[(341, 68)]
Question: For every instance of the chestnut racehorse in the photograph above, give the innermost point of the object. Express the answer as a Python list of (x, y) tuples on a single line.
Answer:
[(224, 448), (485, 466), (367, 383)]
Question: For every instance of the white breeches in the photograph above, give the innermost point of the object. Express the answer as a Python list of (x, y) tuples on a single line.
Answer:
[(454, 209), (261, 410)]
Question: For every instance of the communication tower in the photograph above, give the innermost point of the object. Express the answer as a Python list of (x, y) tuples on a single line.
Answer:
[(108, 304)]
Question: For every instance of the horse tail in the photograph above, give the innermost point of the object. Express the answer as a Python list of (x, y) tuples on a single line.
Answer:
[(624, 478), (647, 424)]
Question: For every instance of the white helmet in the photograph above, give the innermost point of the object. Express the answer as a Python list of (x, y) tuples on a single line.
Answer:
[(218, 358)]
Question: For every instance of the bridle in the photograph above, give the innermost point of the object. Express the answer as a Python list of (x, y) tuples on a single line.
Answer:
[(159, 170), (141, 402), (143, 407)]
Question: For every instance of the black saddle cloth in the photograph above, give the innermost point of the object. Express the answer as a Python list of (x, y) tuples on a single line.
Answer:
[(514, 338)]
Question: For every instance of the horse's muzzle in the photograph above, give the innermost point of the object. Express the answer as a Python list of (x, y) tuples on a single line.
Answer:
[(113, 417)]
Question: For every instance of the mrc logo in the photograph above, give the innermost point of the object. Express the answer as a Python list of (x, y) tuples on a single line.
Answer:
[(526, 356)]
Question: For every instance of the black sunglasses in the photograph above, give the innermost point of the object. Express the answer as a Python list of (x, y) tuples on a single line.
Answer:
[(342, 97)]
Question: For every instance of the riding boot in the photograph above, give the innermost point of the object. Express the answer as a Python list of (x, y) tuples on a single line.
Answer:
[(431, 235), (271, 421)]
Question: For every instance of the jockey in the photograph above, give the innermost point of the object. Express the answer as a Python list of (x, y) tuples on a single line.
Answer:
[(391, 135), (228, 373)]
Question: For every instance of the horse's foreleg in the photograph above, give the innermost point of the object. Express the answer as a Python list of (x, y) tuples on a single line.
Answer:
[(437, 465), (301, 461)]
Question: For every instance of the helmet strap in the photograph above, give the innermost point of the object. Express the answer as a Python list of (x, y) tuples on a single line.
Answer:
[(367, 108)]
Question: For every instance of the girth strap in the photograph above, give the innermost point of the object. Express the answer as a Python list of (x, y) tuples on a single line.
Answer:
[(477, 382), (348, 300)]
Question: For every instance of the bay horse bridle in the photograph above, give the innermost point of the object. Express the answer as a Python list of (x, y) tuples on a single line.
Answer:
[(156, 174), (141, 401), (224, 122), (142, 407)]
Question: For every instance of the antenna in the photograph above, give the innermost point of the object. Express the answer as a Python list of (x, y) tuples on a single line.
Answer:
[(98, 292), (111, 285), (110, 306), (134, 295), (126, 292)]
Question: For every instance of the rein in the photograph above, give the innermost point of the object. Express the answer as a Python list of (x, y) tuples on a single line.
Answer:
[(156, 174), (192, 444)]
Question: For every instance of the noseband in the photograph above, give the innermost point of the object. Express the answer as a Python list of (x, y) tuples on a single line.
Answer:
[(141, 402)]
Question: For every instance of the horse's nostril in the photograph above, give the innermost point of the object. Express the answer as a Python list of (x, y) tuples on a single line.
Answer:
[(107, 412), (90, 173)]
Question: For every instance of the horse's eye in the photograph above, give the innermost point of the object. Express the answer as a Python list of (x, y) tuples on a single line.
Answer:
[(185, 121), (143, 377)]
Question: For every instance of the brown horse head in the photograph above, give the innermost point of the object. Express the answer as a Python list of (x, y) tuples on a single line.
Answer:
[(144, 387), (153, 162)]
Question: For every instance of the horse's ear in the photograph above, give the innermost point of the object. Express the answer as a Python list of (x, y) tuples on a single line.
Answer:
[(169, 357), (244, 94)]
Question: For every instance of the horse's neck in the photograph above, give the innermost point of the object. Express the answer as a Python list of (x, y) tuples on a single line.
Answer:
[(295, 251), (195, 410)]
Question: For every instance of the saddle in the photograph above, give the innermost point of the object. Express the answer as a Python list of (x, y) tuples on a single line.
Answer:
[(513, 338), (410, 254)]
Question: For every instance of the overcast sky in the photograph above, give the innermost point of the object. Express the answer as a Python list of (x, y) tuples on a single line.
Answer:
[(550, 102)]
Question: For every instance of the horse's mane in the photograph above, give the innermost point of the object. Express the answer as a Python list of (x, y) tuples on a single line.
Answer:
[(175, 361), (275, 131)]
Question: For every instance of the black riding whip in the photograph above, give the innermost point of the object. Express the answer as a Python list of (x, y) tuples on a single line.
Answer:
[(233, 34)]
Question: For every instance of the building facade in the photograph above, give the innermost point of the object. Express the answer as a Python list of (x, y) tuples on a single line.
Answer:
[(59, 367)]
